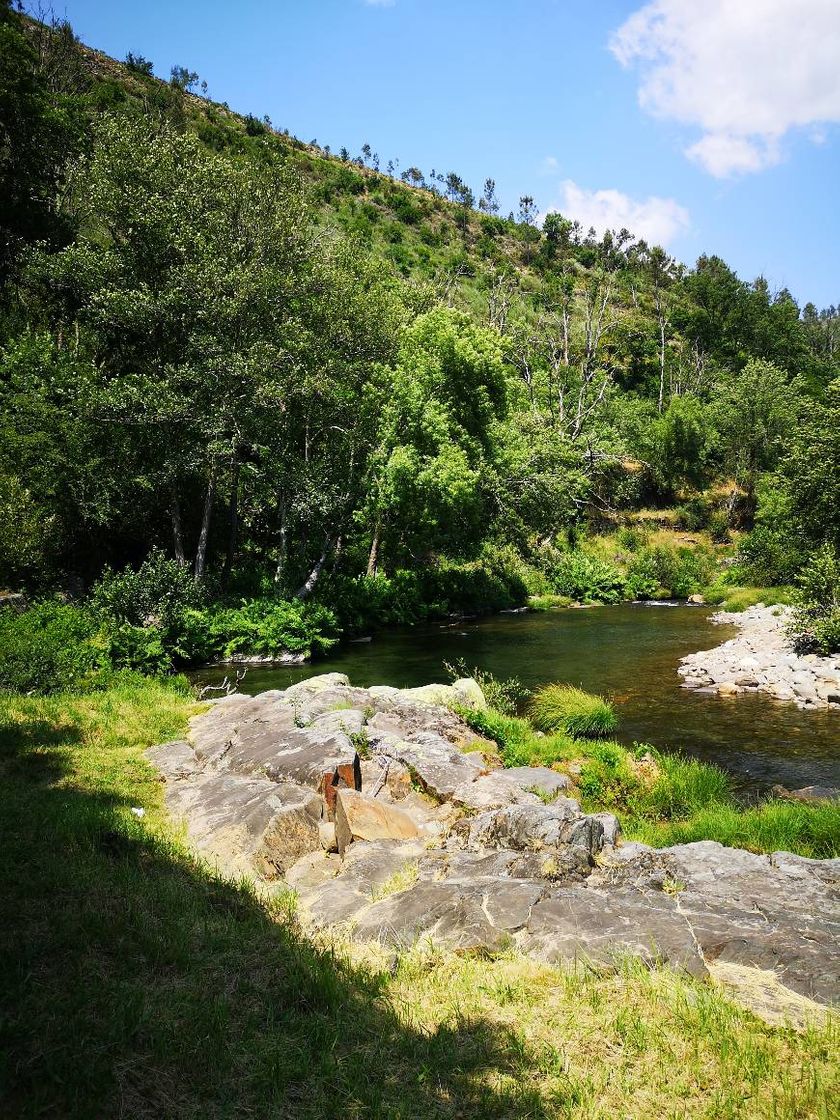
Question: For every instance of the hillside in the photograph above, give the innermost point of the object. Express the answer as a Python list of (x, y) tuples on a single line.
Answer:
[(295, 373)]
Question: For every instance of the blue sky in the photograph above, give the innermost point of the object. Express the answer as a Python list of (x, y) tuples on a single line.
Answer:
[(710, 127)]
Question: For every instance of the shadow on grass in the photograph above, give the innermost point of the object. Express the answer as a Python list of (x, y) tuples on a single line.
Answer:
[(136, 983)]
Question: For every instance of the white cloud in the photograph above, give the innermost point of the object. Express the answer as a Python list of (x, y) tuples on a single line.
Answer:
[(549, 164), (745, 72), (657, 220)]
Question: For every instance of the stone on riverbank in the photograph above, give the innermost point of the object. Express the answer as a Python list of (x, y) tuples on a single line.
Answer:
[(759, 659)]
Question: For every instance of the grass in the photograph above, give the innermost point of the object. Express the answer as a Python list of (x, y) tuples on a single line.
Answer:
[(738, 599), (137, 982), (401, 880), (562, 707), (663, 799), (810, 830), (518, 743)]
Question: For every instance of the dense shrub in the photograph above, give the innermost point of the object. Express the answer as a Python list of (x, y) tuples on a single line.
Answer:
[(266, 627), (562, 707), (815, 626), (156, 594), (718, 526), (52, 647), (448, 588), (693, 514), (585, 578), (631, 538), (769, 555), (676, 571), (773, 552)]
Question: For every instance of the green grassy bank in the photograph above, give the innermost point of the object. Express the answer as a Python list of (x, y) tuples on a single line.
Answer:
[(136, 982), (660, 798)]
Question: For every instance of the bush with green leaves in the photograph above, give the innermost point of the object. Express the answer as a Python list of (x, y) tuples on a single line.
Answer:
[(694, 514), (140, 648), (718, 526), (562, 707), (661, 571), (51, 647), (155, 594), (632, 537), (585, 578), (263, 627), (815, 627)]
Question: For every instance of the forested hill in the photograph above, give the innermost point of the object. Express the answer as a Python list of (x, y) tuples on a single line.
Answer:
[(281, 364)]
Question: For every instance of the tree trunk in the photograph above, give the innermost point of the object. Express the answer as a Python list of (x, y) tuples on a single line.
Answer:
[(203, 536), (283, 550), (233, 517), (661, 364), (306, 588), (177, 530), (373, 558)]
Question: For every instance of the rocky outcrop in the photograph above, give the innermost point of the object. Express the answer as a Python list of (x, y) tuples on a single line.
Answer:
[(760, 659), (390, 818)]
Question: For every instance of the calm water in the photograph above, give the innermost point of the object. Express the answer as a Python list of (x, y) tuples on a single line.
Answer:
[(628, 652)]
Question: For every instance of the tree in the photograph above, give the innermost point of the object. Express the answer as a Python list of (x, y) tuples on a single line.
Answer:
[(442, 401), (488, 201), (527, 210), (757, 409), (38, 130), (139, 64), (183, 78), (230, 345)]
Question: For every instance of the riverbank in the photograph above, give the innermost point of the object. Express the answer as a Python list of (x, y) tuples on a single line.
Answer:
[(760, 659), (423, 815), (140, 981)]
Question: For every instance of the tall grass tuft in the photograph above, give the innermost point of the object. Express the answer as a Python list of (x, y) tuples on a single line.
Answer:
[(808, 830), (686, 786), (562, 707)]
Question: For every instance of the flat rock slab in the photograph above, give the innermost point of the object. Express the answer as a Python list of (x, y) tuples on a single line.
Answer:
[(440, 768), (602, 925), (440, 846), (247, 824)]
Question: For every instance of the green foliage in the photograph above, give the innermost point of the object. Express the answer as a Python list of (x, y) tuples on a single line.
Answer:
[(679, 444), (26, 531), (632, 538), (584, 578), (815, 626), (503, 695), (157, 594), (265, 627), (694, 514), (562, 707), (142, 649), (194, 347), (51, 647), (662, 571), (756, 412)]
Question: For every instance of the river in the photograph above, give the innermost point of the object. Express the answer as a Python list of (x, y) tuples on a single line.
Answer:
[(629, 653)]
